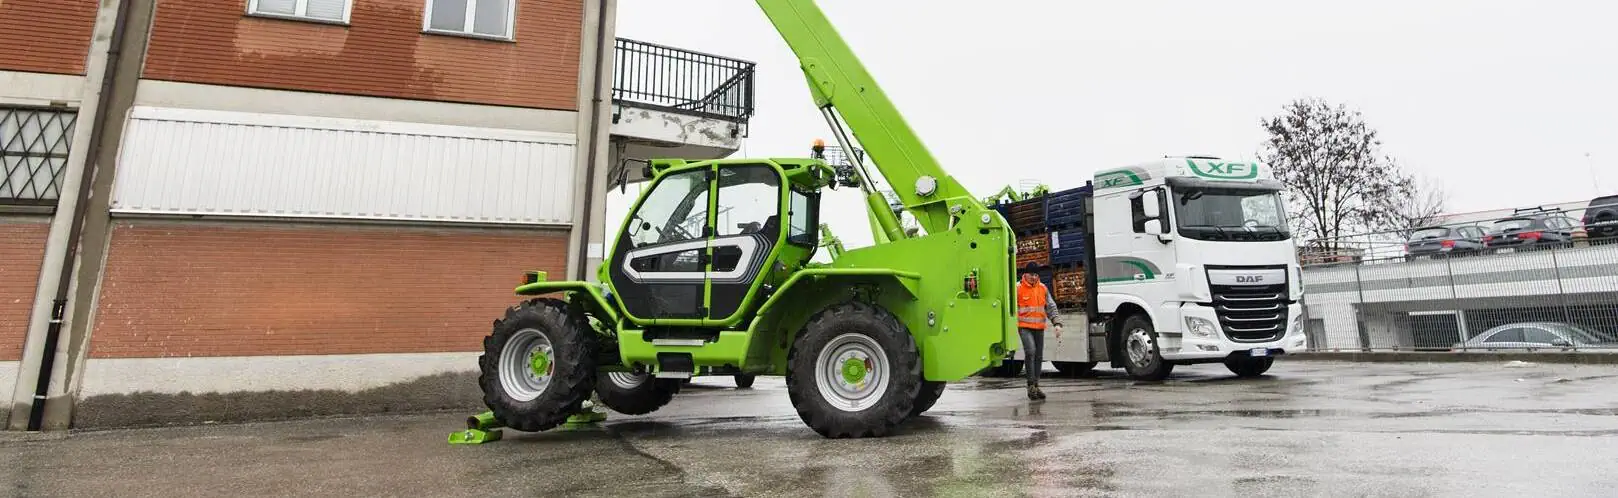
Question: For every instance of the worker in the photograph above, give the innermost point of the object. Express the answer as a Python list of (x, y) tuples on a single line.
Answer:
[(1035, 307)]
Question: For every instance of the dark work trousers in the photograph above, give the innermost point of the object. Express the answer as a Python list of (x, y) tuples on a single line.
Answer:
[(1033, 354)]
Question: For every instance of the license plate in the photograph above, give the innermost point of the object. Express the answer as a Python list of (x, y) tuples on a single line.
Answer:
[(1259, 352), (1508, 249)]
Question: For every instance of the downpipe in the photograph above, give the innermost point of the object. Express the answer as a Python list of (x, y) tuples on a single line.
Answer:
[(596, 81), (53, 333)]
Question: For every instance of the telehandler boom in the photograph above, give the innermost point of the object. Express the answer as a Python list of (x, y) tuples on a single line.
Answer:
[(710, 274)]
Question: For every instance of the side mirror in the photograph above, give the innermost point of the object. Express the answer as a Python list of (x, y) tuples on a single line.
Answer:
[(1157, 228), (1148, 206)]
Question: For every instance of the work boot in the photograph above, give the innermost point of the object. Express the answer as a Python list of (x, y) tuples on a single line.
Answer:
[(1034, 393)]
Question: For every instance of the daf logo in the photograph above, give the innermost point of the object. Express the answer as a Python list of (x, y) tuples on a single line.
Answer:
[(1250, 279)]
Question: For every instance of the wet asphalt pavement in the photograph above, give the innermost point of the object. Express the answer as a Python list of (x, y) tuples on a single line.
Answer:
[(1306, 429)]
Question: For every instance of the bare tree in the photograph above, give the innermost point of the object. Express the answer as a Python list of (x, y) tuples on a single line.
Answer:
[(1337, 179), (1425, 207)]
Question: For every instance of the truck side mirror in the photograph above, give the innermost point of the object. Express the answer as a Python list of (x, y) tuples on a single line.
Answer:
[(1148, 206), (1156, 227)]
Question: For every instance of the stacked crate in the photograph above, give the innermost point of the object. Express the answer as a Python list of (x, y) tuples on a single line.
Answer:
[(1069, 288), (1068, 247), (1026, 215), (1065, 208), (1034, 248), (1050, 234)]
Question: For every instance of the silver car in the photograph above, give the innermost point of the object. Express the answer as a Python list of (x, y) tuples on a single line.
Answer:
[(1539, 335)]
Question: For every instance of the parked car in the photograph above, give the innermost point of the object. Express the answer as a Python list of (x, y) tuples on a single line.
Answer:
[(1440, 241), (1539, 335), (1532, 231), (1601, 220)]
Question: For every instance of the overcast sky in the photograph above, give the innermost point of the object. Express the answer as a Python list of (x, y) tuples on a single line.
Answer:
[(1499, 101)]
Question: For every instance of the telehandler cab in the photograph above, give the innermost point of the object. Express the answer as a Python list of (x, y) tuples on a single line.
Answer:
[(710, 274)]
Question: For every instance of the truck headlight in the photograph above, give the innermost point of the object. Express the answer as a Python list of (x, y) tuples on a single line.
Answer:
[(1201, 327), (1297, 326)]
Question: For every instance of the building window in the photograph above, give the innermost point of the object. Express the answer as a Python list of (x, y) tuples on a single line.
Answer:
[(479, 18), (334, 11), (33, 152)]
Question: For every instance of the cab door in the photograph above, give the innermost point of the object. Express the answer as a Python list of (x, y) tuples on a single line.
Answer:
[(659, 263), (747, 227)]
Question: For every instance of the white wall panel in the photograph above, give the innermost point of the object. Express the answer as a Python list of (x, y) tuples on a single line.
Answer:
[(195, 162)]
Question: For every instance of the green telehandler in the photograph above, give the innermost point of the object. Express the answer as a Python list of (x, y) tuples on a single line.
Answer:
[(710, 274)]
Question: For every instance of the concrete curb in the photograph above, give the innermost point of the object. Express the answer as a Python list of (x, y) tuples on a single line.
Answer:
[(1587, 358)]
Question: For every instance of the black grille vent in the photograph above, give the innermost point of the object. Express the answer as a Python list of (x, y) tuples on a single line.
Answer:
[(1251, 313)]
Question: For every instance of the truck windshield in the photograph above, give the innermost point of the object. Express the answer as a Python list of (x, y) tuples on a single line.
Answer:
[(1230, 214)]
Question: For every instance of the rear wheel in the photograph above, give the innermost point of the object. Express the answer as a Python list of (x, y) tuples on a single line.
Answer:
[(1249, 367), (744, 381), (1143, 358), (854, 371), (538, 365), (930, 392), (635, 394)]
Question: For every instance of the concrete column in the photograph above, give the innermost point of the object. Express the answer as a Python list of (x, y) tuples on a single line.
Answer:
[(602, 230), (94, 148), (96, 233), (594, 131)]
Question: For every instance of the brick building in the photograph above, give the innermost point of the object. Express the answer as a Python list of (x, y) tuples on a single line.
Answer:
[(268, 208)]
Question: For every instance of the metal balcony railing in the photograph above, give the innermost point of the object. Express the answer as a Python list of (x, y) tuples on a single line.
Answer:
[(679, 80), (33, 152)]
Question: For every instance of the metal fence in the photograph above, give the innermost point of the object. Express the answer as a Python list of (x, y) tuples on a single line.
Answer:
[(33, 151), (1537, 280), (681, 80)]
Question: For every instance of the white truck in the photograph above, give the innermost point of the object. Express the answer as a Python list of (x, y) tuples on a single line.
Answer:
[(1187, 260)]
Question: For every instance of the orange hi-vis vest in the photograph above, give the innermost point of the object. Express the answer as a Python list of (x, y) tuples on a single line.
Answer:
[(1031, 305)]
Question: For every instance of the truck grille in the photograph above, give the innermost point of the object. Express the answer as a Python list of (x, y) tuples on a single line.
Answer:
[(1251, 313)]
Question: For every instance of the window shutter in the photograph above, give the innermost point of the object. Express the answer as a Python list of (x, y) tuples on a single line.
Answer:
[(282, 7), (331, 10)]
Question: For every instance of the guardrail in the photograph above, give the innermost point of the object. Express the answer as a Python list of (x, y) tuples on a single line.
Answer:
[(1507, 288), (680, 80)]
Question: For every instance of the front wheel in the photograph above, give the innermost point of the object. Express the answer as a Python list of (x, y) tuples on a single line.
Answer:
[(744, 381), (1249, 367), (1143, 357), (854, 371), (538, 365), (931, 390)]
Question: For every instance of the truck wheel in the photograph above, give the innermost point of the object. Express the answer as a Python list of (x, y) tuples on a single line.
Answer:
[(1143, 358), (854, 371), (1249, 367), (744, 381), (1072, 368), (635, 394), (930, 392), (538, 365)]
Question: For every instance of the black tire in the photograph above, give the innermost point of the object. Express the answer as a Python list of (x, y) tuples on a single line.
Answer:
[(1249, 367), (635, 394), (858, 322), (572, 365), (930, 392), (744, 381), (1072, 368), (1151, 366)]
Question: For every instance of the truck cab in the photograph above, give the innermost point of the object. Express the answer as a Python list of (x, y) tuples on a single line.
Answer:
[(1193, 262)]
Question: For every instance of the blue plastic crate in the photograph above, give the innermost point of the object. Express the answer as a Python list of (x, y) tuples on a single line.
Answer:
[(1068, 247), (1066, 207)]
